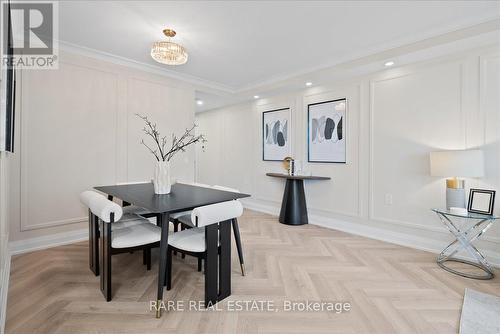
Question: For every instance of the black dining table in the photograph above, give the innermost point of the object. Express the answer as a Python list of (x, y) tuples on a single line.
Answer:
[(185, 197)]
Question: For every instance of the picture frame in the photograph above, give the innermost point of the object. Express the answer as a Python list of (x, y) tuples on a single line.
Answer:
[(7, 89), (326, 131), (276, 134), (481, 201)]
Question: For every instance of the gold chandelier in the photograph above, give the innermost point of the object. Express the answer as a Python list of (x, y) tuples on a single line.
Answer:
[(167, 52)]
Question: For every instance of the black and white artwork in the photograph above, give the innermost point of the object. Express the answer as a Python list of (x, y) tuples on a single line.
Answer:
[(276, 134), (327, 131)]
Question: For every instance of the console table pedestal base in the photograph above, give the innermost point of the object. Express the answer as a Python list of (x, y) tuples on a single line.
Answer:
[(293, 207)]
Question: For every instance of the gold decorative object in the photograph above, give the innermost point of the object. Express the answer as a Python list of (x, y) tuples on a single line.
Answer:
[(455, 183), (286, 163), (168, 52)]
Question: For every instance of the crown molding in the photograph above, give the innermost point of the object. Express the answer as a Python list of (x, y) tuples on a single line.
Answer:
[(212, 86), (380, 53)]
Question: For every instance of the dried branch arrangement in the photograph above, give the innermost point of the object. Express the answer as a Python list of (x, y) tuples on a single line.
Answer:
[(160, 150)]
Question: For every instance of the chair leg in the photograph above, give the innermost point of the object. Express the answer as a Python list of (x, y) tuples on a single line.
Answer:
[(204, 263), (168, 276), (237, 239), (199, 263), (93, 243), (182, 229), (176, 229), (106, 260), (146, 257)]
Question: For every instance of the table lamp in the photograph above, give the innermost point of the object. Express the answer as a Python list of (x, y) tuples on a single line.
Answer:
[(457, 164)]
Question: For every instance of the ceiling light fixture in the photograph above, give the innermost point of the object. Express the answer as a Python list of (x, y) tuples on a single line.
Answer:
[(199, 102), (389, 63), (309, 83), (256, 96), (167, 52)]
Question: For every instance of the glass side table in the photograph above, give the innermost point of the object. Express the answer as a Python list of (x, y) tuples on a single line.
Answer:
[(473, 226)]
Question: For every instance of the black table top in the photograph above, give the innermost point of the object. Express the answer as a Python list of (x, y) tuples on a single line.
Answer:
[(182, 197), (298, 177)]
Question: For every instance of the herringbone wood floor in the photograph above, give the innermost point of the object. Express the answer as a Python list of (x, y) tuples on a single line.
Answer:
[(392, 289)]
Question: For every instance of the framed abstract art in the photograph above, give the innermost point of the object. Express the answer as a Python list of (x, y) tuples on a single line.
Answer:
[(326, 131), (276, 131)]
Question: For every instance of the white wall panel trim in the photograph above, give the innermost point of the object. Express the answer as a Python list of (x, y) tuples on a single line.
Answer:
[(26, 224), (372, 115)]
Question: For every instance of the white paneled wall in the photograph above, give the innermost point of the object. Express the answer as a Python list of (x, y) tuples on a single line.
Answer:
[(489, 117), (4, 232), (78, 129), (394, 119), (413, 114)]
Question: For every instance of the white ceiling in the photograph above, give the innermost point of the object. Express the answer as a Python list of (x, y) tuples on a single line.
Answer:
[(241, 48), (238, 45)]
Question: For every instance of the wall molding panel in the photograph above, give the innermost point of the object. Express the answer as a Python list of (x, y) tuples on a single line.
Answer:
[(426, 144), (352, 93), (70, 71)]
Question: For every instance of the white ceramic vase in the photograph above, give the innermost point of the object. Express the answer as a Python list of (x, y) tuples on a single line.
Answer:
[(161, 178)]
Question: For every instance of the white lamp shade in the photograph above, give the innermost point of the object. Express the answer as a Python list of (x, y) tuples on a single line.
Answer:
[(466, 163)]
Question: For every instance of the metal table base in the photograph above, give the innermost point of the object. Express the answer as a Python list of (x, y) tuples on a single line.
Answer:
[(464, 237)]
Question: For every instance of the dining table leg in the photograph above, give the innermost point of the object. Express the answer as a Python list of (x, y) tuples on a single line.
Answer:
[(164, 223), (211, 265), (225, 260)]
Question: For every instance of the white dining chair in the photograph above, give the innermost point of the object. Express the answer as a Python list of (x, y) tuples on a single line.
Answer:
[(192, 241), (130, 212), (236, 231), (187, 221), (118, 236), (174, 217)]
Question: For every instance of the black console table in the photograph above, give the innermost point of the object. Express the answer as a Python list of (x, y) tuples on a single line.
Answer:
[(293, 207)]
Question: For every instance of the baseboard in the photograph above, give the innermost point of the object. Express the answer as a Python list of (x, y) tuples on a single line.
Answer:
[(4, 282), (272, 208), (435, 243), (59, 239)]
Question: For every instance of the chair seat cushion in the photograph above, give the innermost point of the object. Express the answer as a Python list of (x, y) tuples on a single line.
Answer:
[(134, 210), (191, 240), (129, 216), (133, 233), (179, 214), (186, 220), (130, 220)]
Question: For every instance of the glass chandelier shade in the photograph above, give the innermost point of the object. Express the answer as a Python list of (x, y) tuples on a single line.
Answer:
[(168, 52)]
